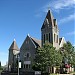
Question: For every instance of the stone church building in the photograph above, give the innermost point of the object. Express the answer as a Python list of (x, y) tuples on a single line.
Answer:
[(49, 33)]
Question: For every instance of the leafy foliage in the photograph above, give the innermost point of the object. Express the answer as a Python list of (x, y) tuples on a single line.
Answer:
[(0, 64), (68, 53), (46, 56)]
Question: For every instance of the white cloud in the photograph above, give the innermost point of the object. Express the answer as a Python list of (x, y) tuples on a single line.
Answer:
[(66, 19), (71, 33), (59, 4)]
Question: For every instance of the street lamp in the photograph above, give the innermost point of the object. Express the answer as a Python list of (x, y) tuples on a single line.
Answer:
[(16, 53), (18, 63)]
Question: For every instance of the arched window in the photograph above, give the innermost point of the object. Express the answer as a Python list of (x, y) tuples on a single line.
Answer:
[(54, 37), (44, 38), (47, 37), (28, 55), (57, 39)]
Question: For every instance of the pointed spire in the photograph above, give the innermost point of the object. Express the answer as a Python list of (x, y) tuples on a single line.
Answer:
[(49, 14), (14, 46), (50, 18), (14, 40), (28, 34)]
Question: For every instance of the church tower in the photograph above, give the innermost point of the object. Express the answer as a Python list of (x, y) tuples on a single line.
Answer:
[(49, 31), (13, 51)]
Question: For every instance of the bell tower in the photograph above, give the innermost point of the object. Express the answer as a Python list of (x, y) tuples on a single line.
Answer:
[(13, 51), (49, 31)]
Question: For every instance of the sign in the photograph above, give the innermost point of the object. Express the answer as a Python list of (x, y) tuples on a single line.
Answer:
[(27, 62), (19, 64), (9, 67), (37, 72)]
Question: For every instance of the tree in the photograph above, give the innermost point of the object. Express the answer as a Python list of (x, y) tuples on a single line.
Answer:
[(68, 53), (0, 64), (46, 56)]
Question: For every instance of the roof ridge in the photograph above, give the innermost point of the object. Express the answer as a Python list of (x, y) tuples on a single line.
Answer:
[(36, 41)]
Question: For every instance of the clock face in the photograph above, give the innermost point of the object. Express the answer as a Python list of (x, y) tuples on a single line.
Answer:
[(15, 52)]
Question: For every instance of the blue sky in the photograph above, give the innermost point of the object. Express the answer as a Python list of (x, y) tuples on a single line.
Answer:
[(21, 17)]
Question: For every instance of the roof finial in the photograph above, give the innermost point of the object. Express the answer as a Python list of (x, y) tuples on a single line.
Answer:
[(14, 40), (28, 34)]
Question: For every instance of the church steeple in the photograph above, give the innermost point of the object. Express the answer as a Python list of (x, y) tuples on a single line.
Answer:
[(13, 51), (48, 19), (49, 30)]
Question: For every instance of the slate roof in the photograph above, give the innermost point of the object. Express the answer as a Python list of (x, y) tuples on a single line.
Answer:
[(36, 41), (14, 46), (50, 18)]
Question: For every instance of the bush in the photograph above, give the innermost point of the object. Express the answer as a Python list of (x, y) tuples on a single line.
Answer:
[(1, 68)]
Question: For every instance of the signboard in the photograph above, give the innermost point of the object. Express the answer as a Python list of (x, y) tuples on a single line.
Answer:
[(19, 64), (37, 72), (9, 67), (27, 62)]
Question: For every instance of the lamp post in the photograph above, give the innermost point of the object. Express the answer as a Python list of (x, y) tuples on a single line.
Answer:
[(16, 52), (18, 63)]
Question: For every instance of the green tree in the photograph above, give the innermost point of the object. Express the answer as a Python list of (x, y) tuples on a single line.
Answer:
[(68, 53), (0, 64), (46, 56)]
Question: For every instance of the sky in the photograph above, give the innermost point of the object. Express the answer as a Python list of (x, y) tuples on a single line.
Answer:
[(21, 17)]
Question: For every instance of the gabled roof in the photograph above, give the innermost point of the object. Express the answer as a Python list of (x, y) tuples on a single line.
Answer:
[(14, 46), (50, 18), (61, 41), (36, 41)]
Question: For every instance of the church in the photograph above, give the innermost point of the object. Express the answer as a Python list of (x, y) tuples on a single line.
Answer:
[(49, 33)]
